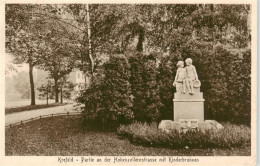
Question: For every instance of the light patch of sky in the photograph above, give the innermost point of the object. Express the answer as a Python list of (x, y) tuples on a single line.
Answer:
[(19, 68)]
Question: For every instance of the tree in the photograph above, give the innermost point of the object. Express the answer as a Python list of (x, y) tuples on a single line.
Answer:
[(117, 91), (138, 86), (66, 88), (145, 89), (21, 40), (59, 62), (60, 42), (115, 26), (29, 30), (45, 90)]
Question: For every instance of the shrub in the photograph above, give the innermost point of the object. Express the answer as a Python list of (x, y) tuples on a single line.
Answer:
[(145, 87), (149, 135), (167, 70), (116, 94), (108, 101)]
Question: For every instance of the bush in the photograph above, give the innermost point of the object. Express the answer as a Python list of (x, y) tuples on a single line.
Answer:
[(149, 135), (145, 87), (108, 101), (166, 75), (116, 92)]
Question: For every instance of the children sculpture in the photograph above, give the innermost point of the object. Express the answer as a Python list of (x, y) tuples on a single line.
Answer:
[(181, 75), (187, 76), (191, 75)]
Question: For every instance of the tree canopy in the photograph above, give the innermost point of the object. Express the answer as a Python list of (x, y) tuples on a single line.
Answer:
[(59, 38)]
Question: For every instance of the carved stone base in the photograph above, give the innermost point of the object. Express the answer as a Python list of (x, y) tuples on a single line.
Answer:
[(188, 106), (168, 125)]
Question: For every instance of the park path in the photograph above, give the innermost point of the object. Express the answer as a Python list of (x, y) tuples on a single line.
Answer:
[(17, 117)]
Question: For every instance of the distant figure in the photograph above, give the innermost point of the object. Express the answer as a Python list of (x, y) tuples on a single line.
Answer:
[(180, 76), (191, 75)]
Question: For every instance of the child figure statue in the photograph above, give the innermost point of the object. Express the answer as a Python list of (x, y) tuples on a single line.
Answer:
[(180, 77), (191, 75)]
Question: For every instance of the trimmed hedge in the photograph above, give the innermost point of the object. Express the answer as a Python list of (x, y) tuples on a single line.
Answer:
[(108, 101), (138, 87), (149, 135), (144, 86)]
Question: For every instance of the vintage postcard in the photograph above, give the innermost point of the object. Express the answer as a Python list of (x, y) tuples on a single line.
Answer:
[(128, 83)]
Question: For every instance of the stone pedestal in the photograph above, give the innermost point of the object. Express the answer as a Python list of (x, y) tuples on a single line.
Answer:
[(168, 125), (189, 114), (188, 106)]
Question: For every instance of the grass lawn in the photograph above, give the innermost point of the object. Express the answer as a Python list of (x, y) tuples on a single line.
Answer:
[(30, 107), (58, 136)]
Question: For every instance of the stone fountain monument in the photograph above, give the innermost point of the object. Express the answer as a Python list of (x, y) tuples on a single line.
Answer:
[(188, 102)]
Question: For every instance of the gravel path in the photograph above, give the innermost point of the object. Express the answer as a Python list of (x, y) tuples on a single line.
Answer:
[(20, 103), (17, 117)]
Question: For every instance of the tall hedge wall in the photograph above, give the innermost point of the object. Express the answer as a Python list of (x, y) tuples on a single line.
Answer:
[(139, 87)]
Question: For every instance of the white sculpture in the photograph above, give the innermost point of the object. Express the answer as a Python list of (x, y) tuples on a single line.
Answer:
[(186, 77)]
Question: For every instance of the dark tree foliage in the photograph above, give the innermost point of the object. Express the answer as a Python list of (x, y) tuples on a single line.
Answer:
[(109, 101), (117, 96), (229, 98), (145, 88), (138, 86), (216, 37), (92, 97), (152, 95), (166, 73)]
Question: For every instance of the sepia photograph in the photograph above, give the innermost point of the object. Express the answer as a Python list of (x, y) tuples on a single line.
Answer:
[(131, 80)]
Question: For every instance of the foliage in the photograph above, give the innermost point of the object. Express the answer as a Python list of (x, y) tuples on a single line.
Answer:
[(110, 24), (165, 77), (138, 86), (149, 135), (45, 90), (39, 36), (117, 90), (92, 97), (110, 101), (230, 92), (152, 97), (216, 36), (21, 39), (61, 56), (144, 86), (67, 88), (212, 35)]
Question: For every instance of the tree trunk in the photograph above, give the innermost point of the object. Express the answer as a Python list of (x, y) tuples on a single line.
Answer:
[(61, 98), (249, 27), (89, 41), (47, 97), (139, 46), (31, 84), (56, 90)]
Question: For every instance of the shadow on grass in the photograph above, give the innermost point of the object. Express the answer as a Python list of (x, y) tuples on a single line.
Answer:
[(65, 136), (30, 107)]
